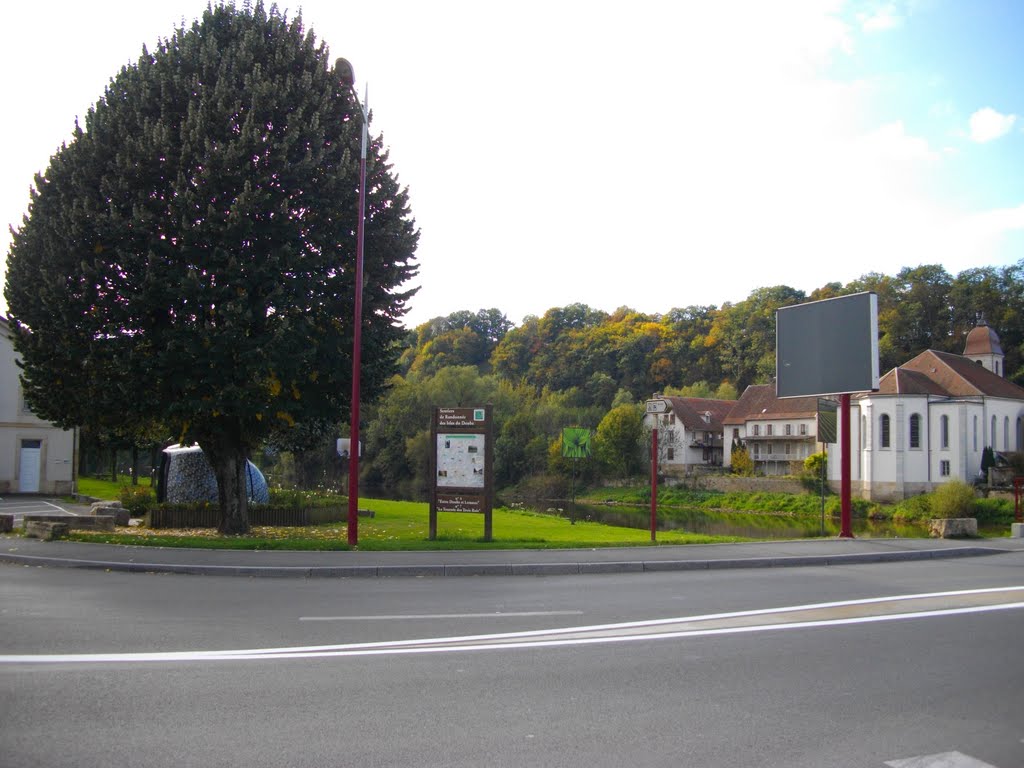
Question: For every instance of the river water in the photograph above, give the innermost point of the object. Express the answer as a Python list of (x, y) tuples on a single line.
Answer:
[(751, 525)]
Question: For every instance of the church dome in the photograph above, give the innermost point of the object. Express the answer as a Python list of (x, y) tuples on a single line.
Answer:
[(982, 340)]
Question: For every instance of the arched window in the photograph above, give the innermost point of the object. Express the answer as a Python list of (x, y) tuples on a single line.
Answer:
[(1006, 433), (944, 431), (975, 433), (992, 434), (1020, 442), (883, 431), (915, 431)]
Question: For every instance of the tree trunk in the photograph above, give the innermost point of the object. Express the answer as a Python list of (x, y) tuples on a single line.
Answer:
[(229, 465)]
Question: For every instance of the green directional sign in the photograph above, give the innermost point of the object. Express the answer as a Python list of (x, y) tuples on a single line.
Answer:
[(576, 442)]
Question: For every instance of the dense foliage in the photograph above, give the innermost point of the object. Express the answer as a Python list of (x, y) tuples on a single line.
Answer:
[(590, 362), (188, 258)]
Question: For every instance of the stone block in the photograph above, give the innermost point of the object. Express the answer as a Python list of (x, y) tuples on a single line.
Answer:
[(112, 508), (92, 523), (6, 523), (35, 529), (953, 528)]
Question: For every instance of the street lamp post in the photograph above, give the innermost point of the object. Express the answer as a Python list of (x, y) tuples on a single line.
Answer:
[(347, 76)]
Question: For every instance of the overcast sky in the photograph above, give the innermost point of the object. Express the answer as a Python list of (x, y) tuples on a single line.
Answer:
[(647, 154)]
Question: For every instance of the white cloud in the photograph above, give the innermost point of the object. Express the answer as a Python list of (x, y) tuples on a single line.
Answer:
[(987, 124), (883, 19)]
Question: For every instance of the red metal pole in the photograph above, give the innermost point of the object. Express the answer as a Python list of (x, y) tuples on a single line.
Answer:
[(654, 484), (845, 531), (1018, 483), (357, 353)]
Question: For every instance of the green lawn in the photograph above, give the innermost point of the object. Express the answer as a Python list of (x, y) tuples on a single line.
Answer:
[(106, 489), (403, 525)]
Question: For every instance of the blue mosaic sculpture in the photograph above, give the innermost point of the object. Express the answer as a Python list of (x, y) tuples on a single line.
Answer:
[(187, 477)]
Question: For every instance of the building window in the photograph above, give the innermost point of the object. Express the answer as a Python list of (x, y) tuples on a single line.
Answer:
[(789, 430), (789, 448), (770, 430), (757, 450), (915, 431), (768, 449), (1006, 433), (944, 431), (671, 418), (975, 433), (735, 433), (757, 430), (944, 468), (671, 454), (803, 429), (992, 434), (883, 431)]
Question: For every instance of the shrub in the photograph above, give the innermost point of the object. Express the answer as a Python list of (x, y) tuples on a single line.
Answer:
[(953, 499), (742, 464), (814, 467), (137, 499), (994, 511)]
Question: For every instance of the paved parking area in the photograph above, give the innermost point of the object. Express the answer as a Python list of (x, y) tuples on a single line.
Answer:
[(35, 505)]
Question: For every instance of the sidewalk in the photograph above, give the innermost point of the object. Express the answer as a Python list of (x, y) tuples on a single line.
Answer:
[(773, 554)]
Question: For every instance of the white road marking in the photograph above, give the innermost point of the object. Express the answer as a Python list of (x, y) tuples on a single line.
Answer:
[(402, 617), (943, 760), (656, 629)]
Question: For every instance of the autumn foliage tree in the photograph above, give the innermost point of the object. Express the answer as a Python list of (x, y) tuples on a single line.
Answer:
[(189, 255)]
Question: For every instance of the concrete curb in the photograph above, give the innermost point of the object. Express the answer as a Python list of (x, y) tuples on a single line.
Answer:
[(498, 569)]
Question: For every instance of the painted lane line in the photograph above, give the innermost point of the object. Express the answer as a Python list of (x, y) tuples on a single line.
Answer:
[(403, 617), (431, 647), (61, 509), (942, 760), (735, 623)]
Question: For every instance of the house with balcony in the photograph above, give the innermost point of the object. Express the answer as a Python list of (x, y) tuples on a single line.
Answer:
[(778, 433), (35, 455), (690, 431)]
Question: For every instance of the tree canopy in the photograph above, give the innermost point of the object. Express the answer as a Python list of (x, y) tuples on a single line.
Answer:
[(189, 256)]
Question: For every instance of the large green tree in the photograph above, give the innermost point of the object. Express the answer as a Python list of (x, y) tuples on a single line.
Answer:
[(189, 256)]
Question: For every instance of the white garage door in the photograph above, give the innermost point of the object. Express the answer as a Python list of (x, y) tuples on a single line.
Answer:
[(28, 470)]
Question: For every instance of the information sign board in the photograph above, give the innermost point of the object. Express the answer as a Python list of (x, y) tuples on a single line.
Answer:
[(462, 460)]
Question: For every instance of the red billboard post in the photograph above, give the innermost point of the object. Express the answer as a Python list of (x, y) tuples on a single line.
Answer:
[(654, 484)]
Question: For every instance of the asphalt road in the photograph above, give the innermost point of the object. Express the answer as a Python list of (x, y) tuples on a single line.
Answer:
[(353, 672)]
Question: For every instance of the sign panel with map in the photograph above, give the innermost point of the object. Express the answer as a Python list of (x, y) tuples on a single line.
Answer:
[(461, 462)]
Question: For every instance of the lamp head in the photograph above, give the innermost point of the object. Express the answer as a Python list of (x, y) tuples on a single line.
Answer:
[(346, 75)]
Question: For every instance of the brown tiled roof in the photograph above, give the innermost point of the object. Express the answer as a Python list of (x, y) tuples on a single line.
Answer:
[(690, 411), (900, 381), (758, 401), (956, 376), (982, 340)]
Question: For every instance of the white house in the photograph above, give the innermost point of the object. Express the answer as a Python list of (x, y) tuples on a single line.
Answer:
[(35, 456), (931, 419), (689, 431), (777, 433)]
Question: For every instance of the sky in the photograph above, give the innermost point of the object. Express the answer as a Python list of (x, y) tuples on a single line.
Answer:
[(652, 155)]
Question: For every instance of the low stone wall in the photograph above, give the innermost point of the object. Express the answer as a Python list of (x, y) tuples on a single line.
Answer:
[(727, 483), (81, 522)]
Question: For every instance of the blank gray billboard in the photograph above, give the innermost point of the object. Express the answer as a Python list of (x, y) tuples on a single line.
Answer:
[(827, 347)]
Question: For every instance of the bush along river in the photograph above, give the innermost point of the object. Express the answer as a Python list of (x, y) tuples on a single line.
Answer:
[(751, 525)]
